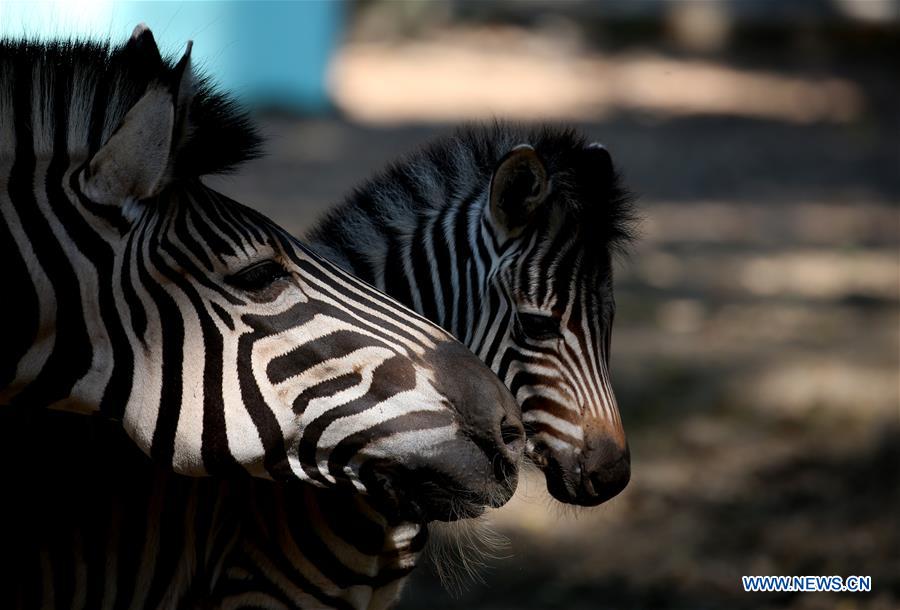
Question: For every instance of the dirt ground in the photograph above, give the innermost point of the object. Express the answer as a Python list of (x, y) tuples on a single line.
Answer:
[(755, 354)]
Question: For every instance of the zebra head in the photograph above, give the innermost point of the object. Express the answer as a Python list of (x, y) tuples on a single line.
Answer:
[(220, 342), (556, 213)]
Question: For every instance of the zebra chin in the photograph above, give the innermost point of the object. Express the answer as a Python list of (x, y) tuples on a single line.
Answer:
[(454, 484)]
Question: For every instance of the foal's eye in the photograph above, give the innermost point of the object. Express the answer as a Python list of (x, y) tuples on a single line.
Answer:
[(258, 276), (539, 327)]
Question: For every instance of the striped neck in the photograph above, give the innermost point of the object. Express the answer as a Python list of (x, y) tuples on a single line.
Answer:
[(440, 258), (302, 547), (136, 535)]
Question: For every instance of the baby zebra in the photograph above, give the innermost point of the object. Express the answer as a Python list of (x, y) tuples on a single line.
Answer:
[(221, 344), (505, 237)]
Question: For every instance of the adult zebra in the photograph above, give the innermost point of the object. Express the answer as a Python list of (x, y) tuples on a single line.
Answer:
[(221, 343), (505, 236)]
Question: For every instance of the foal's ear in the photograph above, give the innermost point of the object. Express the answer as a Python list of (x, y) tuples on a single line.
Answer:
[(518, 188), (599, 161), (136, 161), (142, 50)]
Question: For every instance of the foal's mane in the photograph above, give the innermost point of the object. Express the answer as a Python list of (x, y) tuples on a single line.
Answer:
[(77, 92), (447, 170)]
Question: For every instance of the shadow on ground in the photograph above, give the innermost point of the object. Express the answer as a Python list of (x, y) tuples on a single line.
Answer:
[(807, 515)]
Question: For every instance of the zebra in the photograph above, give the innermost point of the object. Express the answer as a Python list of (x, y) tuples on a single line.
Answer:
[(242, 583), (222, 344), (86, 531), (324, 559), (505, 235)]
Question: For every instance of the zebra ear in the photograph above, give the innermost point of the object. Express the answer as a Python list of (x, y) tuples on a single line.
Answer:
[(136, 161), (142, 49), (133, 162), (182, 89), (599, 160), (518, 188)]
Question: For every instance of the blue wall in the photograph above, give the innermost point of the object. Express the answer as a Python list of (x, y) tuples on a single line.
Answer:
[(266, 52)]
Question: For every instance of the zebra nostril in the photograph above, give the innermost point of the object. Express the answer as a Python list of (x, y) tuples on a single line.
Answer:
[(606, 472), (539, 454), (601, 487), (512, 434)]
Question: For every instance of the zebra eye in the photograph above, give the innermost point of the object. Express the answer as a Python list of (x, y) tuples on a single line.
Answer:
[(258, 276), (539, 327)]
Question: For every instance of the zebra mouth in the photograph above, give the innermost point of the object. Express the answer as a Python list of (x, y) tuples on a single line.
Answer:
[(421, 496), (429, 508)]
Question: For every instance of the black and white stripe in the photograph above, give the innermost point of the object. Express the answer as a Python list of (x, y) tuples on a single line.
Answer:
[(223, 345), (563, 269), (85, 531), (505, 236)]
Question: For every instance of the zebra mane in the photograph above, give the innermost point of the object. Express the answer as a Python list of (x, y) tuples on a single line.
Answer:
[(460, 166), (604, 213), (87, 87)]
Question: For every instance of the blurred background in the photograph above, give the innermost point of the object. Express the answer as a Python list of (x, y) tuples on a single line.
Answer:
[(756, 354)]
